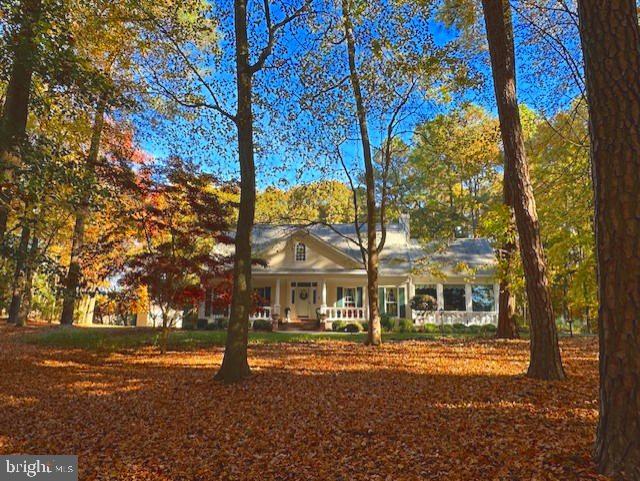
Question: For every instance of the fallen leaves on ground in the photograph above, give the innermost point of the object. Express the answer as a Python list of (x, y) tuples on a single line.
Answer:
[(436, 410)]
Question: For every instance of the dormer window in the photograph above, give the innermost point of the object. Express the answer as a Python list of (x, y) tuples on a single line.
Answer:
[(301, 252)]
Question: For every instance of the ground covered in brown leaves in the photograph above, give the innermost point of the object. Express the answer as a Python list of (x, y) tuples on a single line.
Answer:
[(433, 410)]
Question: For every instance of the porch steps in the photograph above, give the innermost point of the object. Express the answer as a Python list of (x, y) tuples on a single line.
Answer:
[(300, 325)]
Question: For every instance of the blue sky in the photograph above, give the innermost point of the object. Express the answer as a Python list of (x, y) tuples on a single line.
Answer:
[(283, 162)]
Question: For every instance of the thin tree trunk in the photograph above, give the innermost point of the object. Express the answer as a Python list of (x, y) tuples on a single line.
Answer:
[(545, 362), (17, 287), (507, 327), (25, 305), (13, 122), (72, 280), (374, 333), (611, 45), (235, 365)]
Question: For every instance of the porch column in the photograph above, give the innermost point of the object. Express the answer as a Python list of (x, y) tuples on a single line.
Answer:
[(467, 297), (496, 297), (324, 293), (365, 302), (440, 296), (410, 293), (469, 302), (276, 304)]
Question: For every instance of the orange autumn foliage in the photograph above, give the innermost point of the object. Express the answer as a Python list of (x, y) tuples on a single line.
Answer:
[(435, 410)]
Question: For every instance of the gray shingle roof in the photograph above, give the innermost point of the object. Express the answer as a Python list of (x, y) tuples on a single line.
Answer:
[(400, 254)]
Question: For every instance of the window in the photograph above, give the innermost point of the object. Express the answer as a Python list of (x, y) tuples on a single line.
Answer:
[(454, 299), (301, 252), (264, 295), (427, 290), (349, 297), (391, 301), (483, 298)]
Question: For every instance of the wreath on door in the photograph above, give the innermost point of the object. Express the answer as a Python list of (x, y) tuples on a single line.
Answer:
[(304, 294)]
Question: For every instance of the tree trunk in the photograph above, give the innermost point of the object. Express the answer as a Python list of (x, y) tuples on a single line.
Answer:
[(25, 305), (611, 46), (13, 122), (374, 333), (72, 280), (507, 327), (235, 365), (545, 360), (17, 287)]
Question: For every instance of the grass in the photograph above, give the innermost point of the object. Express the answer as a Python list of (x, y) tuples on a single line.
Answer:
[(115, 339)]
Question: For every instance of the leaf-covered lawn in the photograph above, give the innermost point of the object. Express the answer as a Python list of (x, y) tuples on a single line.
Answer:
[(440, 410)]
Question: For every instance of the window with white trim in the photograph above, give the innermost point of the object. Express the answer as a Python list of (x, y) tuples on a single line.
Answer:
[(301, 252)]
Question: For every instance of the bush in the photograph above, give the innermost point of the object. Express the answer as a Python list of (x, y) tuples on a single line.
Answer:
[(202, 323), (353, 327), (338, 326), (405, 325), (365, 326), (488, 329), (188, 325), (262, 325), (459, 327), (387, 322), (212, 326), (446, 328), (430, 328), (474, 329), (222, 323)]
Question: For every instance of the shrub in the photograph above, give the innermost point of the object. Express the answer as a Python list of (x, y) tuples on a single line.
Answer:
[(430, 328), (262, 325), (459, 327), (446, 328), (488, 329), (222, 323), (405, 325), (212, 326), (365, 326), (202, 323), (353, 327), (387, 322), (188, 325), (338, 326), (474, 329)]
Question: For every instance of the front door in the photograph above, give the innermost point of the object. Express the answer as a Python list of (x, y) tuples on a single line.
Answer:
[(304, 296)]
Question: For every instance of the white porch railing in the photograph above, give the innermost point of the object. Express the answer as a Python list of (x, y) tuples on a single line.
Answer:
[(345, 313), (262, 313), (456, 317)]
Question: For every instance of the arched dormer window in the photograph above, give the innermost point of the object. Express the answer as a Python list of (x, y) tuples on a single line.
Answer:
[(301, 252)]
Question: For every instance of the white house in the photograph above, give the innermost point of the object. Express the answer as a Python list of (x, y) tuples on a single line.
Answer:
[(316, 272)]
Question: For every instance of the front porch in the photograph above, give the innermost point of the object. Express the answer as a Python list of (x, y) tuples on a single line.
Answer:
[(317, 301)]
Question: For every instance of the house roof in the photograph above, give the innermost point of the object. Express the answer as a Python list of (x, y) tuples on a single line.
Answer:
[(401, 254)]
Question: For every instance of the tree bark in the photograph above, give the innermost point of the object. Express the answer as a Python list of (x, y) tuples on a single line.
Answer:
[(13, 122), (374, 333), (507, 327), (72, 280), (25, 305), (545, 362), (235, 365), (17, 288), (611, 45)]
